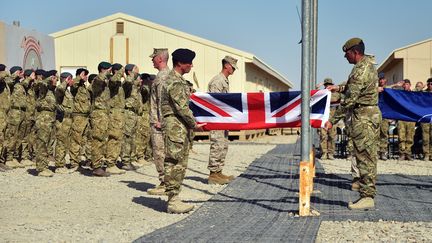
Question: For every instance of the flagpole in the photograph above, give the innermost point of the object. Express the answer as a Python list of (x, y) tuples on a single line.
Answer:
[(304, 192), (314, 41)]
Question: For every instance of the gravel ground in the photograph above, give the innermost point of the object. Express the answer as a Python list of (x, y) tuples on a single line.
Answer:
[(81, 208)]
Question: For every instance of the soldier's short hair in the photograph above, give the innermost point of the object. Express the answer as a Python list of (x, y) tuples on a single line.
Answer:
[(2, 67)]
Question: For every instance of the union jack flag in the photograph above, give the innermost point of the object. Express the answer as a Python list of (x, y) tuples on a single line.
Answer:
[(245, 111)]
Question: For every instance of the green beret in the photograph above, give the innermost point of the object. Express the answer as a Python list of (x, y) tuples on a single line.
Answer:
[(328, 81), (91, 77), (351, 43), (65, 75), (183, 55), (104, 65), (13, 69), (28, 72)]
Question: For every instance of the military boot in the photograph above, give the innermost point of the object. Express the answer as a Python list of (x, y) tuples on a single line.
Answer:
[(330, 156), (63, 170), (114, 170), (157, 190), (402, 157), (408, 157), (100, 172), (175, 205), (4, 167), (383, 156), (426, 157), (362, 203), (228, 177), (215, 178), (128, 167), (143, 162), (27, 162), (14, 164), (46, 173)]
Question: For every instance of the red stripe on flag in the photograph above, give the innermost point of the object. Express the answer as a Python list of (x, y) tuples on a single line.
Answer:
[(210, 105), (256, 109)]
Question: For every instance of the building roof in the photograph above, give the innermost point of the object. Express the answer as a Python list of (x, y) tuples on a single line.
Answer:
[(247, 57), (392, 55)]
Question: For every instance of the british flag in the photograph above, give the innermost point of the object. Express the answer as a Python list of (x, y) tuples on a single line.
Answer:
[(245, 111)]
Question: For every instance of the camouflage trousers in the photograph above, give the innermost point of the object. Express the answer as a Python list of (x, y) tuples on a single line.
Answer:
[(27, 136), (128, 153), (158, 148), (115, 135), (99, 134), (218, 150), (44, 126), (78, 137), (63, 132), (406, 136), (142, 137), (384, 129), (365, 136), (327, 140), (3, 123), (14, 121), (176, 154), (427, 137)]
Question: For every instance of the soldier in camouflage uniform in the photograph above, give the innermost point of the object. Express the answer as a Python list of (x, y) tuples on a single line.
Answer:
[(27, 130), (160, 62), (64, 100), (219, 139), (80, 116), (116, 118), (4, 108), (45, 118), (99, 119), (131, 88), (406, 132), (142, 135), (384, 128), (177, 121), (427, 130), (361, 98), (15, 117), (328, 137)]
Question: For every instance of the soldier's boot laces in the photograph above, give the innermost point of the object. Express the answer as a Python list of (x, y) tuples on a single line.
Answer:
[(362, 204), (216, 178), (114, 170), (14, 164), (158, 190), (175, 205), (46, 173), (63, 170), (27, 162)]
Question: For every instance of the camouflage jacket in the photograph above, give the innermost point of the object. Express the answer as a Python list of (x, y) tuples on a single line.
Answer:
[(155, 94), (46, 100), (131, 88), (175, 99), (82, 96), (18, 93), (64, 98), (219, 84), (117, 96), (361, 89), (4, 92), (100, 93), (31, 97)]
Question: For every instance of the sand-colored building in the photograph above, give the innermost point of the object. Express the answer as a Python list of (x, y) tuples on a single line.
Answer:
[(126, 39), (413, 62)]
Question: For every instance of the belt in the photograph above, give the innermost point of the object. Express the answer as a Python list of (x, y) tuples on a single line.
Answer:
[(19, 108)]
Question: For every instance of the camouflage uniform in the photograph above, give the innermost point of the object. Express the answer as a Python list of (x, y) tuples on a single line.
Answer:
[(177, 121), (45, 118), (328, 137), (99, 120), (218, 138), (27, 132), (15, 117), (132, 104), (4, 108), (64, 111), (142, 135), (406, 138), (116, 117), (80, 121), (361, 97), (157, 137), (427, 137)]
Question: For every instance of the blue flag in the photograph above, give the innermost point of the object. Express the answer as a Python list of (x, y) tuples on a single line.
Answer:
[(406, 105)]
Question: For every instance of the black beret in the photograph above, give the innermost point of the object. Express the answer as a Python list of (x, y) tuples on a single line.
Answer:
[(65, 75), (183, 55), (40, 72), (104, 65), (51, 73), (80, 70), (148, 77), (407, 81), (91, 77), (381, 75), (14, 69), (129, 67), (116, 66), (429, 80), (28, 72), (2, 67)]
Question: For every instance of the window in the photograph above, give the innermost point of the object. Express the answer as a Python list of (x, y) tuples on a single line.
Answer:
[(120, 28)]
